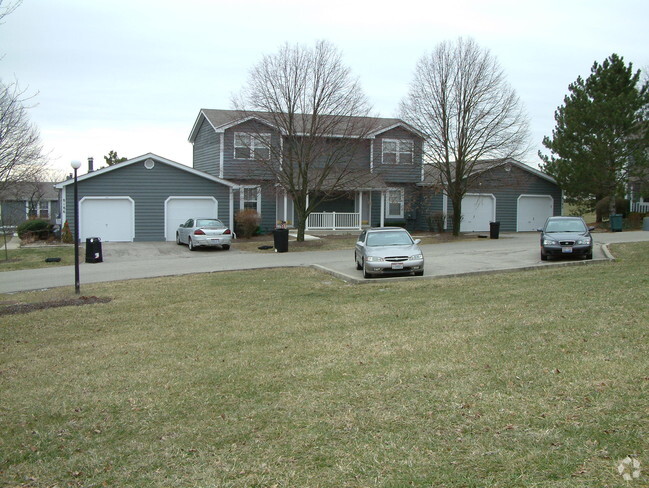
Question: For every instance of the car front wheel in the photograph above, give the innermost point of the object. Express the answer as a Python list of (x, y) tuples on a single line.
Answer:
[(365, 273), (359, 266), (178, 239)]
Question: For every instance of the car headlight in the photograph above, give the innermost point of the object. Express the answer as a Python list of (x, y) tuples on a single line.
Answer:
[(374, 259), (415, 257), (549, 242), (585, 241)]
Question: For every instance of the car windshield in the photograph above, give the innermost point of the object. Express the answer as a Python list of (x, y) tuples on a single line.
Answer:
[(396, 238), (565, 226), (209, 223)]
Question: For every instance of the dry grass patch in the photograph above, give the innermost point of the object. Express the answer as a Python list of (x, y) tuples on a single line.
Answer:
[(292, 378)]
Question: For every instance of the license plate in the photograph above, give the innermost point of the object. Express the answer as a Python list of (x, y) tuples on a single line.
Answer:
[(215, 241), (566, 249), (397, 265)]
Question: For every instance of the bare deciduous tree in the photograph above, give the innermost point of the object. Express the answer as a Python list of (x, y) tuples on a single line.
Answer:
[(310, 98), (21, 152), (8, 7), (460, 100)]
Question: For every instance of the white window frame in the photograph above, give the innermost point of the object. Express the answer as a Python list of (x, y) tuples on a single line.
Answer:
[(40, 206), (403, 146), (243, 199), (255, 142), (401, 202)]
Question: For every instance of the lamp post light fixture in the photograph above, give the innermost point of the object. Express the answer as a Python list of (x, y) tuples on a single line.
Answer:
[(77, 286)]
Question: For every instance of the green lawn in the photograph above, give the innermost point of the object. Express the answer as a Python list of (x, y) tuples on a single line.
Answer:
[(291, 378)]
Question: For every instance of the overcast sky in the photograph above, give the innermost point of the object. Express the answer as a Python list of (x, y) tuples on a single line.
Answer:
[(132, 75)]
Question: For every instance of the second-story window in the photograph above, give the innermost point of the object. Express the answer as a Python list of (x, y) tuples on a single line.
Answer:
[(397, 151), (251, 146)]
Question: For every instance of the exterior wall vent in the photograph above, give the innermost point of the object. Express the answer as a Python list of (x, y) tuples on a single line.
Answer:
[(149, 163)]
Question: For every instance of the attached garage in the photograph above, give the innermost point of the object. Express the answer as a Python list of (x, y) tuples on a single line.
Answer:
[(145, 199), (477, 211), (180, 208), (109, 218), (532, 212)]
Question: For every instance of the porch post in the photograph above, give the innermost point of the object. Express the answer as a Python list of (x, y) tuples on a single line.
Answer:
[(306, 224), (360, 209), (382, 208), (286, 207)]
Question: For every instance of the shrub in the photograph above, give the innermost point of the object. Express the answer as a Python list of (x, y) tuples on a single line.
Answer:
[(66, 235), (31, 227), (436, 221), (621, 206), (634, 220), (247, 221)]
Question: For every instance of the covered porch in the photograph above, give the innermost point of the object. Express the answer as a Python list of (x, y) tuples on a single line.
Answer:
[(347, 212)]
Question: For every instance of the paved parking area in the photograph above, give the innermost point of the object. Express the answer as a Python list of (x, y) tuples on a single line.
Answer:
[(124, 261)]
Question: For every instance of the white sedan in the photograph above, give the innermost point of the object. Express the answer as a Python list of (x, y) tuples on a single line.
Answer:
[(204, 232)]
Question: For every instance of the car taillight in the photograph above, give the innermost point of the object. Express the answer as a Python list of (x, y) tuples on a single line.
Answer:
[(228, 231), (199, 232)]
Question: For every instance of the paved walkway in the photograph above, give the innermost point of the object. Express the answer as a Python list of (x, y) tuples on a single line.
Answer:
[(123, 261)]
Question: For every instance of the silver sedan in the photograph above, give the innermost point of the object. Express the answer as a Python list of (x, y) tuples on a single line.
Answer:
[(198, 232), (388, 250)]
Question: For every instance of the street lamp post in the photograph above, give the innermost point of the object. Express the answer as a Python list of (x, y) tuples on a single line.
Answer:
[(77, 286)]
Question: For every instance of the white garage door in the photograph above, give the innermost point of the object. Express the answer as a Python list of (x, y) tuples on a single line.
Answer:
[(477, 212), (109, 218), (179, 209), (532, 211)]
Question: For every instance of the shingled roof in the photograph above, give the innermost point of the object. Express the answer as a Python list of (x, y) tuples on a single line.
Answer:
[(347, 126)]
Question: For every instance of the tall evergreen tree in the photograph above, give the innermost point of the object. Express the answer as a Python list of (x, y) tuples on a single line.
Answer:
[(601, 137)]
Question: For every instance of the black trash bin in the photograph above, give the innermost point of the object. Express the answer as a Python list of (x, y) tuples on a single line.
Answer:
[(93, 250), (494, 230), (280, 240)]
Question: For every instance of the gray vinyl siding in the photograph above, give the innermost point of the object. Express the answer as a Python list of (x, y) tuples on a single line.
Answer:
[(245, 169), (206, 150), (268, 210), (13, 212), (149, 189), (398, 173), (506, 187)]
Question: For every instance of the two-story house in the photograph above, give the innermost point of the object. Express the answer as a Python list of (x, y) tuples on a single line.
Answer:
[(228, 144)]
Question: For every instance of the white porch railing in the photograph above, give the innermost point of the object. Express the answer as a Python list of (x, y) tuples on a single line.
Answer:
[(333, 221), (641, 207)]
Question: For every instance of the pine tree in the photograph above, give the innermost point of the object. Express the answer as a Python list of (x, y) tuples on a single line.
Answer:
[(601, 138)]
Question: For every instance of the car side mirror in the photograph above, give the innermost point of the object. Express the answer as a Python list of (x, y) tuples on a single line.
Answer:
[(417, 241), (539, 230), (590, 229)]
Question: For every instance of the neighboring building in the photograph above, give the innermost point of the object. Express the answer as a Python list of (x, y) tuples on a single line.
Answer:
[(22, 201), (638, 194)]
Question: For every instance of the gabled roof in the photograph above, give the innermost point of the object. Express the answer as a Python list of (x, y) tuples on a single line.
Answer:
[(144, 157), (25, 190), (432, 176), (366, 127)]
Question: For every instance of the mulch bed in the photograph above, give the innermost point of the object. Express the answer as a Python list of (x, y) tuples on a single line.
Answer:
[(67, 302)]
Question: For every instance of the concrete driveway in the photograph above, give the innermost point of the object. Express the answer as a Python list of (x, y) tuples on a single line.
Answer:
[(124, 261)]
